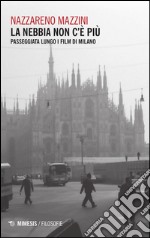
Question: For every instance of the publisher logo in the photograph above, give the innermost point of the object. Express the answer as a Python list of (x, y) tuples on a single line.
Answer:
[(12, 223), (35, 223)]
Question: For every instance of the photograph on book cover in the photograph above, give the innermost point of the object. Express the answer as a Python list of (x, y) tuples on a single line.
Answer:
[(75, 119)]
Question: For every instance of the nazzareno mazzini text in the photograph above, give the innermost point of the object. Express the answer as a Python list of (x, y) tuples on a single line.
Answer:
[(49, 20)]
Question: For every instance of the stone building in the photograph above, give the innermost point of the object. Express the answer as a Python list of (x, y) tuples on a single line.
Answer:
[(48, 129)]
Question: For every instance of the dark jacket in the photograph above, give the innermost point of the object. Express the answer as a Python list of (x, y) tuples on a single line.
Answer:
[(27, 185), (87, 186), (124, 187)]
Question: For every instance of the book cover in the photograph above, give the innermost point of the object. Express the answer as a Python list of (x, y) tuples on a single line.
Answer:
[(74, 118)]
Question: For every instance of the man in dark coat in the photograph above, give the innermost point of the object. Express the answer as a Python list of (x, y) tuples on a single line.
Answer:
[(123, 189), (88, 187), (28, 186)]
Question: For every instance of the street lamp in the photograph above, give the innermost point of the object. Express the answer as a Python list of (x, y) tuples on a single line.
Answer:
[(82, 137), (142, 97), (58, 152)]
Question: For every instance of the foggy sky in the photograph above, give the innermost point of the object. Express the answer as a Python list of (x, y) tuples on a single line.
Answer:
[(122, 47)]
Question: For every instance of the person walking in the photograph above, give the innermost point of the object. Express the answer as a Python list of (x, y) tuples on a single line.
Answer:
[(123, 189), (126, 158), (88, 187), (138, 155), (131, 176), (28, 186)]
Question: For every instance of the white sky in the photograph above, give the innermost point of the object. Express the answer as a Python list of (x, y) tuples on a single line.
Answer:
[(122, 47)]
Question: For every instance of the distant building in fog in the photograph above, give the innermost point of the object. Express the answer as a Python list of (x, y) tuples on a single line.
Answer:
[(48, 128)]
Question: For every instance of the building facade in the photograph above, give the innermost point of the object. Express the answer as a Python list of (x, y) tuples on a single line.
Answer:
[(50, 126)]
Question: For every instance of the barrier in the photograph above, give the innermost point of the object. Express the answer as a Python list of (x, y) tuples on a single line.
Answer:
[(113, 173)]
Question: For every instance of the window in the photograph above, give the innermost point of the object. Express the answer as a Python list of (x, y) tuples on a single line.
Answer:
[(113, 147), (89, 133), (65, 147), (79, 104), (89, 108), (11, 120), (57, 169), (47, 144), (129, 146), (65, 129), (47, 124), (113, 130)]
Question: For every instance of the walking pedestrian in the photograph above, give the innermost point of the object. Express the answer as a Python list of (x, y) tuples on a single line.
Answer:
[(123, 189), (28, 186), (131, 176), (88, 187), (126, 157), (138, 155)]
